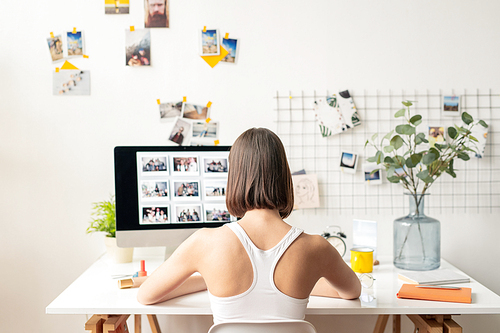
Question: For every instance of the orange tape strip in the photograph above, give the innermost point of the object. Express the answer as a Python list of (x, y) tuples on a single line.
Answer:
[(205, 29), (227, 35)]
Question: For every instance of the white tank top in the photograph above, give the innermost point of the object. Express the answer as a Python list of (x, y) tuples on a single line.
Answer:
[(263, 300)]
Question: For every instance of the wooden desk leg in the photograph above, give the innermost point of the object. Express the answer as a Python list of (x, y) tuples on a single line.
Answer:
[(116, 324), (450, 326), (153, 322), (137, 323), (396, 323), (94, 324), (423, 325), (381, 323)]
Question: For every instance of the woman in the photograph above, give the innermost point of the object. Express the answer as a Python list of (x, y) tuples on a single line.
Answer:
[(237, 260)]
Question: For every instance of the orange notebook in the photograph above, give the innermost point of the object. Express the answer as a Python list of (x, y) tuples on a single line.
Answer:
[(412, 291)]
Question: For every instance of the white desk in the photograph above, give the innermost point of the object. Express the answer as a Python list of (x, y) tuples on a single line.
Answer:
[(95, 292)]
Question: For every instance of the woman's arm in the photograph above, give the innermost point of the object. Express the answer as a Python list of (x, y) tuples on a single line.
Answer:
[(338, 279), (173, 278)]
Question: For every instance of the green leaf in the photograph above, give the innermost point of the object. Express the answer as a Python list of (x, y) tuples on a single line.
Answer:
[(467, 118), (388, 160), (441, 146), (388, 135), (379, 156), (393, 179), (413, 160), (390, 171), (419, 138), (473, 138), (434, 151), (374, 136), (452, 132), (388, 149), (405, 129), (423, 174), (400, 113), (396, 142), (366, 143), (400, 160), (451, 173), (372, 159), (482, 123), (463, 156), (429, 158), (407, 103), (416, 120)]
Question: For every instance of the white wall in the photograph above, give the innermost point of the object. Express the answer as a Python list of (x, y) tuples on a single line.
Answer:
[(56, 152)]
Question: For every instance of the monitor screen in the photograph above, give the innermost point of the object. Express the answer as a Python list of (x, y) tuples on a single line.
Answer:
[(165, 193)]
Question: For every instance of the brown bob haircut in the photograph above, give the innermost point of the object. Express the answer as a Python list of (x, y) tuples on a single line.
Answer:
[(259, 176)]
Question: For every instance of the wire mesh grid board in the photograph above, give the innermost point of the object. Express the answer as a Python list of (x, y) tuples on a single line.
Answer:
[(475, 189)]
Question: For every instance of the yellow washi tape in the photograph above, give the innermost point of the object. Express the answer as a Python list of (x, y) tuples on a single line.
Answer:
[(227, 35), (74, 30), (158, 101), (51, 34), (209, 104), (208, 120), (132, 28), (205, 29), (85, 56), (57, 69), (184, 99), (216, 142)]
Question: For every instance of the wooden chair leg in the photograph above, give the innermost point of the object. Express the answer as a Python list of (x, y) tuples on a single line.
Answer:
[(153, 322), (381, 323), (396, 323)]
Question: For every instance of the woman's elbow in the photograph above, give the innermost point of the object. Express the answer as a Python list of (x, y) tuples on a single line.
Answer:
[(145, 298)]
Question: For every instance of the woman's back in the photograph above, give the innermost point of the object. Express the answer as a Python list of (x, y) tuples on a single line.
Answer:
[(227, 268)]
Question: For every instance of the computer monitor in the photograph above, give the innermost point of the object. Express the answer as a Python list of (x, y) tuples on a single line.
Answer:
[(166, 193)]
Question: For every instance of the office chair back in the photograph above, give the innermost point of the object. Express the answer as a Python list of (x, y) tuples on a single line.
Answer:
[(295, 326)]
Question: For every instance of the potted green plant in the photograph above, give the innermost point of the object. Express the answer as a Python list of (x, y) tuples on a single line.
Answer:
[(409, 159), (104, 220)]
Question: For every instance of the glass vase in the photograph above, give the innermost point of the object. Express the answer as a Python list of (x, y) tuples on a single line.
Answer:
[(417, 238)]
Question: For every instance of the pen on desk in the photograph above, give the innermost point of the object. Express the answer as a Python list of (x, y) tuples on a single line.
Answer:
[(438, 287)]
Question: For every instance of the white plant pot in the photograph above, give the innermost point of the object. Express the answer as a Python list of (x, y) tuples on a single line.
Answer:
[(117, 254)]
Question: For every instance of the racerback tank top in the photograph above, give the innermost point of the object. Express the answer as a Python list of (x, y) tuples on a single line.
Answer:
[(263, 300)]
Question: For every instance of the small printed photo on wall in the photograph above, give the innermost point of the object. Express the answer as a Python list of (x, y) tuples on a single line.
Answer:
[(170, 110), (56, 48), (71, 83), (209, 42), (348, 162), (156, 13), (451, 106), (74, 43), (137, 47), (180, 132), (116, 6)]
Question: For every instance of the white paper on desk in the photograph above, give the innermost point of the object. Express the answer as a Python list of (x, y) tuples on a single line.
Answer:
[(435, 277)]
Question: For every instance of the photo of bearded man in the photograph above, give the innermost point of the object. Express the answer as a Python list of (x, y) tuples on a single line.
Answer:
[(156, 13)]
